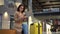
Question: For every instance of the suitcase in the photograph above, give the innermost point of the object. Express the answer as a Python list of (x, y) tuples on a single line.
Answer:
[(35, 28), (40, 28)]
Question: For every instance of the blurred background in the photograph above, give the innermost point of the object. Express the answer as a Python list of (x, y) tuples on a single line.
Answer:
[(43, 15)]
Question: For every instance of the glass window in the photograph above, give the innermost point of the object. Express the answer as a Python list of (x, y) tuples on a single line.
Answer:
[(51, 10), (45, 10), (54, 9)]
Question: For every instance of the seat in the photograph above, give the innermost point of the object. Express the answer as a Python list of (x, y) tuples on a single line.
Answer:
[(7, 31)]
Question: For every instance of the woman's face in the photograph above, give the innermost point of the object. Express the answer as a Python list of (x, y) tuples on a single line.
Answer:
[(21, 8)]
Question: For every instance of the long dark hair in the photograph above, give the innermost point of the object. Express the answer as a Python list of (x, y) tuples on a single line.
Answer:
[(20, 6)]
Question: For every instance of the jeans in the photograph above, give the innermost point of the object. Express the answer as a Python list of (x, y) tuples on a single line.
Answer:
[(24, 28)]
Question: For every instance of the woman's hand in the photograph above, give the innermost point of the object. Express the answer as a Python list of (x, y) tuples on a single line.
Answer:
[(21, 16)]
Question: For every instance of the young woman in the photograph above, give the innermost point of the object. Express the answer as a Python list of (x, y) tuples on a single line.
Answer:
[(19, 18)]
